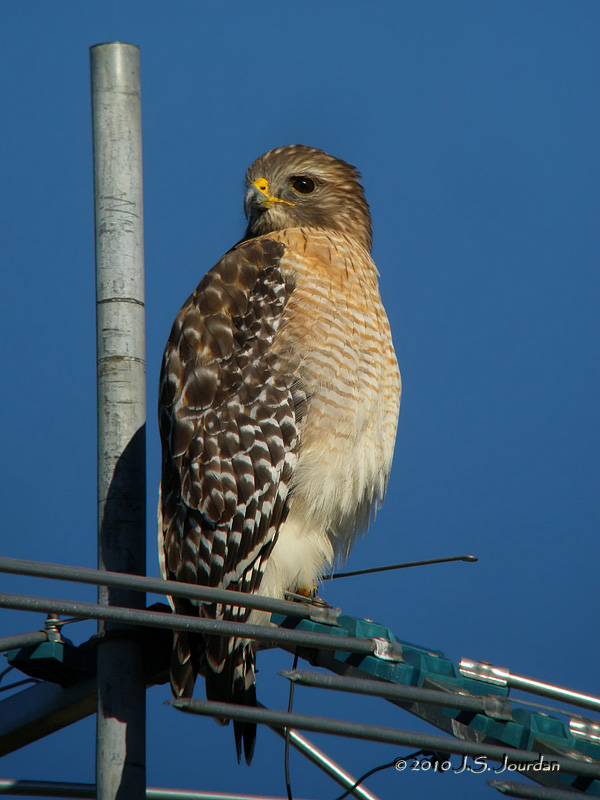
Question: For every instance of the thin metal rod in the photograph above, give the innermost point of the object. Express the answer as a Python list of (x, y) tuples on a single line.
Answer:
[(40, 569), (58, 707), (22, 640), (501, 676), (323, 761), (556, 692), (492, 706), (356, 730), (525, 790), (327, 764), (121, 385), (269, 634), (86, 790), (389, 567)]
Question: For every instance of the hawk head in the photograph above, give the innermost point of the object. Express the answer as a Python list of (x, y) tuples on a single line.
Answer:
[(302, 187)]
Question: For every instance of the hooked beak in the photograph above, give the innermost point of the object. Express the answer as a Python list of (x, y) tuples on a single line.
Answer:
[(258, 198)]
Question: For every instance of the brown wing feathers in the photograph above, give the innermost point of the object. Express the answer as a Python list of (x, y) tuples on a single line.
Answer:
[(228, 424)]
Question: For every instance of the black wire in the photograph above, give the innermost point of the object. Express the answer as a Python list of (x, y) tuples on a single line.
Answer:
[(5, 672), (286, 760), (18, 683), (373, 771)]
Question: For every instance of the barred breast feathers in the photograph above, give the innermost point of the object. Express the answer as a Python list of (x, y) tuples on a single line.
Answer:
[(336, 321)]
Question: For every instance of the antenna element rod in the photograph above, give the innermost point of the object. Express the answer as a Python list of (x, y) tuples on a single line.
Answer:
[(425, 563)]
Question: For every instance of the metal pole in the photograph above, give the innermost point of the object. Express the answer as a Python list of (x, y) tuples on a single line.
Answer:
[(324, 762), (496, 707), (87, 790), (315, 612), (501, 676), (22, 640), (527, 792), (116, 117), (41, 710), (267, 634), (429, 743)]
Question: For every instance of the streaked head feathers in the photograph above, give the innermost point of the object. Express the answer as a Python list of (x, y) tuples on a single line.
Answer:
[(303, 187)]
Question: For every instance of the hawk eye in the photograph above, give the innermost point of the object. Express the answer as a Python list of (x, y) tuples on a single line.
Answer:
[(303, 185)]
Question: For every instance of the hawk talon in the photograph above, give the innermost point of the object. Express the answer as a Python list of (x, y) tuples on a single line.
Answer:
[(312, 592), (307, 596)]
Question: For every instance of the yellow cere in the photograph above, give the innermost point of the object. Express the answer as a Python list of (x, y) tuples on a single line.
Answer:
[(262, 184)]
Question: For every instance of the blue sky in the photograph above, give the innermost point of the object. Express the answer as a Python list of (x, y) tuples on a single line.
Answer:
[(475, 127)]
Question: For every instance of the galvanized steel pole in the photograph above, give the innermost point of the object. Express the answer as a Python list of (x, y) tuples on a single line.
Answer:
[(116, 117)]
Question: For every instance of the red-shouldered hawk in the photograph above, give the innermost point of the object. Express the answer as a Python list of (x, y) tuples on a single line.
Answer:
[(279, 400)]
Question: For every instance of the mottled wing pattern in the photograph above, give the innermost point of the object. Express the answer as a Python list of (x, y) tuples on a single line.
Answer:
[(229, 413)]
